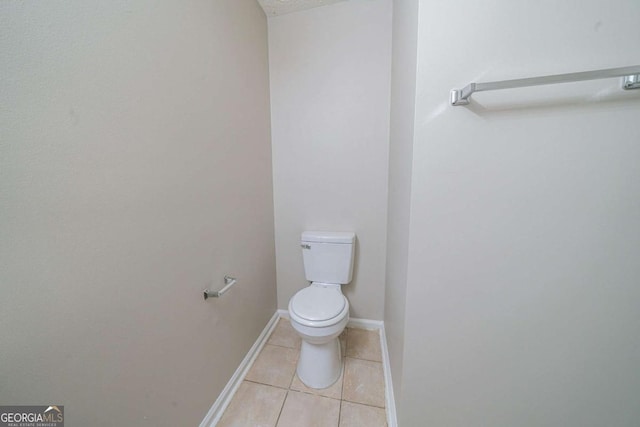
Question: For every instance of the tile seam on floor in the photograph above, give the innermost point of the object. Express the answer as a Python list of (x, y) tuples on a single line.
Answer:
[(368, 360), (344, 377), (282, 408), (293, 377), (295, 374), (283, 346), (269, 385), (313, 394), (364, 404)]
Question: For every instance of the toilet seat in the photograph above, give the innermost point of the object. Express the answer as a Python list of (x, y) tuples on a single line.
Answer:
[(317, 306)]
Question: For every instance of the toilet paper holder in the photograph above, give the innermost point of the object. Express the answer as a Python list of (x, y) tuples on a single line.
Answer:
[(228, 282)]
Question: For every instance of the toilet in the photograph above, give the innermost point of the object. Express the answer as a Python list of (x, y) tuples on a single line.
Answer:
[(320, 312)]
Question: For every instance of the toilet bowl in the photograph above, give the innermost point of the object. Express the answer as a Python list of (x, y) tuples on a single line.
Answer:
[(319, 313)]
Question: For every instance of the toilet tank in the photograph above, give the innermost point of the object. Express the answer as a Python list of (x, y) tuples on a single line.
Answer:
[(328, 256)]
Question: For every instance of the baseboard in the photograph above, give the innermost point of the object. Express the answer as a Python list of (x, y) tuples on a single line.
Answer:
[(221, 403), (390, 401), (372, 325), (223, 400)]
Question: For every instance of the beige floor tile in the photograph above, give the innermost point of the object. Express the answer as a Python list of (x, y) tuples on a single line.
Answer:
[(307, 410), (284, 335), (364, 344), (254, 405), (275, 365), (363, 382), (334, 391), (356, 415)]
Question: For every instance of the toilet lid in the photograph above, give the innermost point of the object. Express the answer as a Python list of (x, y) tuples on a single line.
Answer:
[(317, 303)]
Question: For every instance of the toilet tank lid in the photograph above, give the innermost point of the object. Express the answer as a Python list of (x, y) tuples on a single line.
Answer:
[(329, 237)]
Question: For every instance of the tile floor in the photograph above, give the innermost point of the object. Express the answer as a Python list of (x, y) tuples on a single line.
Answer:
[(272, 395)]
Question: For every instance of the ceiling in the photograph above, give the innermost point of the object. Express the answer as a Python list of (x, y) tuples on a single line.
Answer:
[(280, 7)]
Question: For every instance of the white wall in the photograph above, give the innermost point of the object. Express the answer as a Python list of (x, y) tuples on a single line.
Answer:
[(135, 171), (330, 71), (522, 294), (403, 95)]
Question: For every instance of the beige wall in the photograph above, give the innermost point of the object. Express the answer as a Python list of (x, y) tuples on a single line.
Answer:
[(330, 71), (522, 294), (135, 171)]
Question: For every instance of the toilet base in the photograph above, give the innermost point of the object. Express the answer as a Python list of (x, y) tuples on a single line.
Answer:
[(320, 365)]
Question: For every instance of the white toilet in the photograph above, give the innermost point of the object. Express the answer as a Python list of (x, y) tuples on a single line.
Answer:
[(320, 312)]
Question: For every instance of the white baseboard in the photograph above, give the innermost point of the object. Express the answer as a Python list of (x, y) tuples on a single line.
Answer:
[(389, 398), (372, 325), (221, 403), (223, 400)]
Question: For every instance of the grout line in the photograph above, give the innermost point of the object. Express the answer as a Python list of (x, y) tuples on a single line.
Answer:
[(283, 346), (346, 342), (365, 404), (344, 377), (281, 408), (362, 358), (269, 385), (318, 394), (366, 360), (293, 377), (314, 394)]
